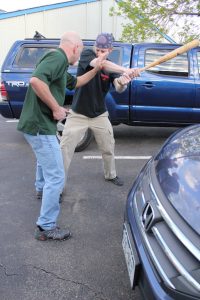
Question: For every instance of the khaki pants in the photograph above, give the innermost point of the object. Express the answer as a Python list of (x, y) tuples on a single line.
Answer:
[(75, 127)]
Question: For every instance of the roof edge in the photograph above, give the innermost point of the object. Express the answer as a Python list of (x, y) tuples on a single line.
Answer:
[(27, 11)]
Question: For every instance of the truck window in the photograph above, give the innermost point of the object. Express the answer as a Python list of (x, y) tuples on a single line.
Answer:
[(115, 56), (198, 60), (177, 66), (29, 56)]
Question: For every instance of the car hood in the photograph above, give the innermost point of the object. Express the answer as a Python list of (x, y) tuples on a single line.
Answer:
[(178, 172)]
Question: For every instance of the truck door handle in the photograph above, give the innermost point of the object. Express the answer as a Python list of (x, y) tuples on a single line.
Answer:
[(148, 84)]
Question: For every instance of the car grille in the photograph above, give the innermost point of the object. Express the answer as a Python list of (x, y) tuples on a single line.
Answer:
[(173, 247)]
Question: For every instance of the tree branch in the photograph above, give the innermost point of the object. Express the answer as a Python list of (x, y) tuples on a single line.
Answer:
[(186, 13)]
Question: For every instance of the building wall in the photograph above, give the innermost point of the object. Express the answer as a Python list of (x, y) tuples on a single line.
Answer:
[(88, 18)]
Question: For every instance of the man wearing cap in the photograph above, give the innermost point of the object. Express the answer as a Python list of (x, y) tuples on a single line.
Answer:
[(89, 109)]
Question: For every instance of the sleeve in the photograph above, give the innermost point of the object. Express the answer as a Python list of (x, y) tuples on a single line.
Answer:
[(86, 57), (71, 81), (50, 68)]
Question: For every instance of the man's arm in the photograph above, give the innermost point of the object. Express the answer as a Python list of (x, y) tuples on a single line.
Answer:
[(85, 78), (114, 68), (43, 92)]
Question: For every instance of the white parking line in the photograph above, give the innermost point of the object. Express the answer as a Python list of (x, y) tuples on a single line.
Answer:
[(117, 157), (98, 156), (12, 121)]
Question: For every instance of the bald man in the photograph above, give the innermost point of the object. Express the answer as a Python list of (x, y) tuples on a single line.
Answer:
[(43, 107)]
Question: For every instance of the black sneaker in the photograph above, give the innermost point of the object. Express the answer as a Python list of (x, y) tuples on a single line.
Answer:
[(116, 181), (53, 234), (39, 196)]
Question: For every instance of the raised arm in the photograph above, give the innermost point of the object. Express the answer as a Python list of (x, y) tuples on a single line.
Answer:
[(85, 78), (114, 68)]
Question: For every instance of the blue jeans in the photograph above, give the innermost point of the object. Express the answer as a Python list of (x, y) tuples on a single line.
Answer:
[(50, 176)]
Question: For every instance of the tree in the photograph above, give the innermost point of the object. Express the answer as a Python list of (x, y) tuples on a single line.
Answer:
[(146, 18)]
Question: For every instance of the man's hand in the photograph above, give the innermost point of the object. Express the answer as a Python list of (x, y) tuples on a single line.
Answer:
[(132, 72), (121, 82), (124, 79), (60, 113), (99, 61)]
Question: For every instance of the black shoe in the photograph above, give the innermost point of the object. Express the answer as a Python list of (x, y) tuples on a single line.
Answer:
[(116, 181), (39, 196), (53, 234)]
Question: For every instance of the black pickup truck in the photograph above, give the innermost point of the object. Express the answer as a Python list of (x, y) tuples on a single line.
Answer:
[(165, 95)]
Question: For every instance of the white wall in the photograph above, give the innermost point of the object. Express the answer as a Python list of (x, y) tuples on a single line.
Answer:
[(87, 19)]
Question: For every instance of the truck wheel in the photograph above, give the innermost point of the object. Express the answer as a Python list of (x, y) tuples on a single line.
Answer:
[(85, 140)]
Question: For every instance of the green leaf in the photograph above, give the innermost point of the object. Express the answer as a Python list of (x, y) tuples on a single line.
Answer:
[(148, 18)]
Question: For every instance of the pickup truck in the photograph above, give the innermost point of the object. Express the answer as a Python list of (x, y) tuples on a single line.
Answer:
[(165, 95)]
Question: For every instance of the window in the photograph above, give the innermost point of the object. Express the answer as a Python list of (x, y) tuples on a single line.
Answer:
[(198, 61), (177, 66), (29, 56), (115, 56)]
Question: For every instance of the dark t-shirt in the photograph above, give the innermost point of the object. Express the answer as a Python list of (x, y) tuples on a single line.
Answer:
[(89, 100)]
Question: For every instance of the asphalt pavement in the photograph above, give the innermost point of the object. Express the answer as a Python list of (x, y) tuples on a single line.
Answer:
[(89, 266)]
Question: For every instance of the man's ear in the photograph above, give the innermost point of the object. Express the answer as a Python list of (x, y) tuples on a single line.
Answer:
[(75, 49)]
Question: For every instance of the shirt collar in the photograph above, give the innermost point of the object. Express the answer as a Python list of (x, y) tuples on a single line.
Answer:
[(63, 52)]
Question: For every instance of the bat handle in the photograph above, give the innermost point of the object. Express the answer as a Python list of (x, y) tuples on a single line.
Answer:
[(143, 69)]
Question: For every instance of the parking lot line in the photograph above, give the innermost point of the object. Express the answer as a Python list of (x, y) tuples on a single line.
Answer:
[(12, 121), (117, 157)]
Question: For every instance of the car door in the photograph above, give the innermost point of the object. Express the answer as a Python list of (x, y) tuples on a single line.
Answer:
[(166, 92)]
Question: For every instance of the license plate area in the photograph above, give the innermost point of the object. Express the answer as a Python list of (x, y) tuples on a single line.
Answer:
[(131, 256)]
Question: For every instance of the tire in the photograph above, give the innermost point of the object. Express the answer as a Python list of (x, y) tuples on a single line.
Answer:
[(85, 140)]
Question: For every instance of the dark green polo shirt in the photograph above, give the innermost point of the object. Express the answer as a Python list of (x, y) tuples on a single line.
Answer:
[(36, 117)]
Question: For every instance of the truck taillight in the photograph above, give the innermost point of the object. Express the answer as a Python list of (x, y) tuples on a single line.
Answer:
[(3, 92)]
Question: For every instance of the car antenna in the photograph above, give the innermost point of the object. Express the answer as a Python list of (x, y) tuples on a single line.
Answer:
[(38, 36)]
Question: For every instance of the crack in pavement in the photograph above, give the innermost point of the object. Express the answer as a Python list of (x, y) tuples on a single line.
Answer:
[(98, 295), (6, 273)]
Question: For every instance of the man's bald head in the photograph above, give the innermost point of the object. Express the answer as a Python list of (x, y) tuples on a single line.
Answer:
[(70, 38), (72, 45)]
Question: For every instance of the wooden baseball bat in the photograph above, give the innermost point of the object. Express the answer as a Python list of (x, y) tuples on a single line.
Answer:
[(172, 54)]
